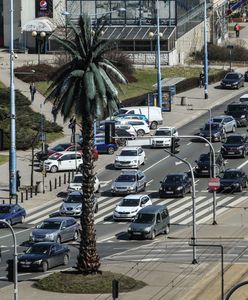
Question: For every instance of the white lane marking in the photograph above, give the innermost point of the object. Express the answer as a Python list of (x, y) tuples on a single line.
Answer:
[(42, 212), (189, 143), (158, 162), (243, 164), (105, 183), (149, 182)]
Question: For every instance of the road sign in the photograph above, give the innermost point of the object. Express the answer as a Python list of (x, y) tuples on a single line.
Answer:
[(213, 184)]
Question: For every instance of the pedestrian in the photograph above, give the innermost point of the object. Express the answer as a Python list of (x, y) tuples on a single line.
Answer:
[(54, 113), (18, 180), (32, 89), (237, 29), (201, 80)]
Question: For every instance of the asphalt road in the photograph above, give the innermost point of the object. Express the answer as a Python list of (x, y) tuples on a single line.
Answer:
[(111, 236)]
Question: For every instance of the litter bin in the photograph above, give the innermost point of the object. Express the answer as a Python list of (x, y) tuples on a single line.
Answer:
[(39, 185), (183, 101)]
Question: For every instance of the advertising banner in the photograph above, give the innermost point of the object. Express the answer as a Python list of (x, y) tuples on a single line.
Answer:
[(43, 8)]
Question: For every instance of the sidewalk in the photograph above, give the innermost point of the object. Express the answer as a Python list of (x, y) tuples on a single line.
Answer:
[(165, 280)]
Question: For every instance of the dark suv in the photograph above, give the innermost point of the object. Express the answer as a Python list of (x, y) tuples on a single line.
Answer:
[(216, 131), (203, 165), (234, 180), (239, 111), (235, 145), (175, 184)]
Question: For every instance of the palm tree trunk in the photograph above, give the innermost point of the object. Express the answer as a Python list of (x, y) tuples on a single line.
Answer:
[(88, 260)]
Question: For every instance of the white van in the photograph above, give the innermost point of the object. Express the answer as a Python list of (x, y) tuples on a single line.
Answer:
[(153, 114), (244, 98)]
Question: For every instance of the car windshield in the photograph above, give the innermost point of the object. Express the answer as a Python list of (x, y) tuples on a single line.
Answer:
[(212, 126), (122, 111), (174, 178), (163, 133), (60, 147), (130, 202), (217, 120), (5, 209), (78, 179), (128, 153), (144, 218), (126, 178), (231, 175), (232, 76), (49, 225), (234, 139), (38, 249), (234, 108), (74, 199), (204, 157), (54, 156)]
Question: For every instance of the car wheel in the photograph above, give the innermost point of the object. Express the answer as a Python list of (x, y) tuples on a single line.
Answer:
[(167, 229), (153, 235), (243, 154), (44, 266), (130, 236), (98, 189), (96, 209), (245, 185), (144, 188), (54, 169), (58, 240), (183, 193), (240, 188), (140, 132), (66, 260), (22, 219), (154, 125), (111, 150), (234, 129), (136, 190), (75, 236)]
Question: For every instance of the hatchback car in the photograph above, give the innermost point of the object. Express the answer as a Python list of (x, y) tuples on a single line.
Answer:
[(129, 182), (130, 205), (234, 180), (12, 213), (162, 136), (72, 205), (228, 122), (57, 229), (239, 111), (77, 181), (140, 126), (132, 117), (233, 81), (175, 184), (203, 165), (214, 130), (103, 147), (130, 157), (235, 145), (62, 162), (43, 256)]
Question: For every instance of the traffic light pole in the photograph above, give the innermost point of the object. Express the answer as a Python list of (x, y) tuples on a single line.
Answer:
[(15, 259)]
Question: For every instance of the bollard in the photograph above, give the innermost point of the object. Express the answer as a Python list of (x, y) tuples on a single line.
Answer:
[(16, 198), (183, 101), (21, 197), (64, 178), (31, 192), (36, 190), (50, 185), (72, 174), (10, 200), (59, 181), (3, 201), (69, 177), (55, 183), (26, 194)]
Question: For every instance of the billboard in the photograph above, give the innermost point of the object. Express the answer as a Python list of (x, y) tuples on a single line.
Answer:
[(43, 8)]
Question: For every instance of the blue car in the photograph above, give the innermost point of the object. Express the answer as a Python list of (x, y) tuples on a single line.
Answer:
[(102, 147), (12, 213)]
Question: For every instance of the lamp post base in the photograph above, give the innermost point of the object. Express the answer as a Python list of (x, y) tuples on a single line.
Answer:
[(214, 222), (194, 261)]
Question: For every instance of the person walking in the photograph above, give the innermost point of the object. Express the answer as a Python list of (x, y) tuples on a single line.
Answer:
[(237, 29), (54, 113), (201, 80), (18, 180), (32, 89)]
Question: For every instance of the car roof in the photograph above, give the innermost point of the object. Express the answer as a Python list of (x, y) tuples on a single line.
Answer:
[(233, 170), (131, 148), (152, 208), (233, 73), (165, 128), (244, 96), (238, 103), (75, 193), (59, 219), (213, 123), (8, 205), (136, 196), (220, 116), (130, 172), (177, 174), (47, 244)]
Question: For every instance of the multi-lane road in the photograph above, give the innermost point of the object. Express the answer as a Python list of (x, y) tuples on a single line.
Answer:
[(111, 236)]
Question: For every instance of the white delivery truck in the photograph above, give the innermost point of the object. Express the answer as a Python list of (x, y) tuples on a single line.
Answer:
[(153, 114)]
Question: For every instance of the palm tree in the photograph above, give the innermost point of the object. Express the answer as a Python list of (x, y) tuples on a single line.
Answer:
[(84, 87)]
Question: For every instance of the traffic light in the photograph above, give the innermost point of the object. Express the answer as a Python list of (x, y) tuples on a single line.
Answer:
[(174, 145), (10, 270)]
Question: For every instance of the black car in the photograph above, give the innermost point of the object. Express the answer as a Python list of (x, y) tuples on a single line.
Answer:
[(216, 131), (239, 111), (43, 256), (235, 145), (246, 76), (233, 81), (203, 165), (234, 180), (175, 184)]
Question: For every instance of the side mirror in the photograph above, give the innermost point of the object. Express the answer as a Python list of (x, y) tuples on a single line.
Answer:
[(63, 228)]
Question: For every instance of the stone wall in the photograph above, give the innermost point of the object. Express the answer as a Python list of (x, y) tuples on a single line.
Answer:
[(148, 58)]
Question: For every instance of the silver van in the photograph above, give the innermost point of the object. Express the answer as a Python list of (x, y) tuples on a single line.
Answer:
[(149, 222)]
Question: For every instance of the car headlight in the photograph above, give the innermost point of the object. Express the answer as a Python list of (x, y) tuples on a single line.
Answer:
[(179, 188), (134, 161), (134, 210), (240, 147), (242, 117), (235, 83), (47, 163), (38, 262), (147, 229), (78, 208), (129, 229), (236, 184)]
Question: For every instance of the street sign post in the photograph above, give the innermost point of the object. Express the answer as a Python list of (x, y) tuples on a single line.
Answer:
[(213, 184)]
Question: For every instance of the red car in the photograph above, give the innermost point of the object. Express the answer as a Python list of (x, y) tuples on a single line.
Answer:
[(65, 147)]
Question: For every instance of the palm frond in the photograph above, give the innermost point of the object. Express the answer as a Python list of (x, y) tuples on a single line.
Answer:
[(99, 81), (65, 44), (89, 84), (115, 73), (108, 83)]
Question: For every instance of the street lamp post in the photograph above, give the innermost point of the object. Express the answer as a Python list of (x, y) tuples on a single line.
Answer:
[(39, 36), (12, 150), (205, 52)]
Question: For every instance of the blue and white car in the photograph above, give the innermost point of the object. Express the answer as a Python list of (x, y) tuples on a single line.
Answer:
[(12, 213), (102, 147)]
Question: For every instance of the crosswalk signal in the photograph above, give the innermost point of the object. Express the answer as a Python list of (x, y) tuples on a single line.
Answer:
[(174, 145)]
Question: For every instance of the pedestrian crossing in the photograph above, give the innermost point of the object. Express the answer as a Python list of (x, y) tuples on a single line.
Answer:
[(180, 209)]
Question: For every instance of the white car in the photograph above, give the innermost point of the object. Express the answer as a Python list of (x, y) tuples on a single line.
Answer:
[(140, 126), (162, 137), (76, 184), (62, 161), (130, 206), (130, 157), (129, 128)]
